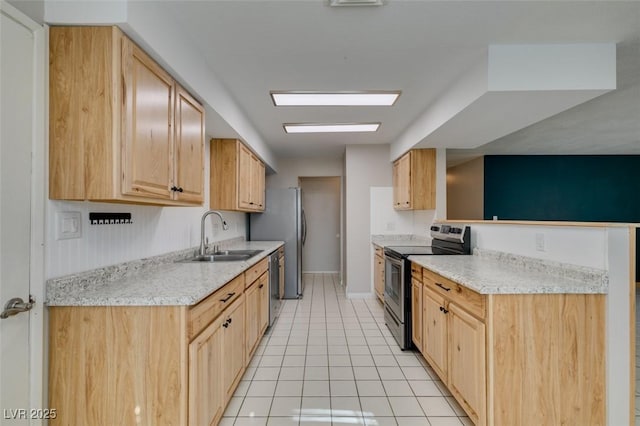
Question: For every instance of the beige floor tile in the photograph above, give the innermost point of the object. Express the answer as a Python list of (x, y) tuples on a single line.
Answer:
[(286, 406), (375, 406), (435, 406), (255, 407)]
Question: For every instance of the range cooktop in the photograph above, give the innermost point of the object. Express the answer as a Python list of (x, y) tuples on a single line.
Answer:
[(418, 250)]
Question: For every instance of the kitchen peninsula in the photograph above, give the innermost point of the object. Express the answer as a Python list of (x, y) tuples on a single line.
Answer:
[(529, 332)]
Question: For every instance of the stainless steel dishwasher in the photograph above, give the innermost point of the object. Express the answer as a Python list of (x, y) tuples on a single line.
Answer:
[(274, 287)]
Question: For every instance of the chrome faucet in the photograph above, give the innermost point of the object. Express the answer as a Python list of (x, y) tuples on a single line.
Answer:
[(203, 248)]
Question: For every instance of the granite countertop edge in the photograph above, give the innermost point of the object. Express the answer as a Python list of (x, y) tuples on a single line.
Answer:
[(153, 282), (383, 241), (489, 272)]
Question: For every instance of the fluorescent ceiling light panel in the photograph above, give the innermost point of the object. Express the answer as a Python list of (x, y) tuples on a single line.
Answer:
[(293, 98), (330, 128)]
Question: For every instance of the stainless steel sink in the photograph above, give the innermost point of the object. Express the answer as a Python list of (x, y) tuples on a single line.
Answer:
[(224, 256)]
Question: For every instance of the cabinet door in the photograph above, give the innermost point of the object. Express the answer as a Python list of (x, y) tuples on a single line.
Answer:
[(434, 329), (396, 185), (189, 149), (252, 318), (206, 397), (263, 289), (244, 177), (416, 313), (404, 172), (147, 119), (378, 276), (467, 379), (233, 346), (257, 184)]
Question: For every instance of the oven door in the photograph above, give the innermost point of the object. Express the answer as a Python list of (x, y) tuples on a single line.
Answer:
[(394, 284)]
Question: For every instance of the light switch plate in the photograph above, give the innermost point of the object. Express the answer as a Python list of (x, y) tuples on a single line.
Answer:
[(69, 225)]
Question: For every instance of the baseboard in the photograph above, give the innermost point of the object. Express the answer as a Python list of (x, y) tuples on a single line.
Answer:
[(360, 296), (320, 272)]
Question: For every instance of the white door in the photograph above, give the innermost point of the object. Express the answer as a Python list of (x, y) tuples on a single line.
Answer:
[(17, 115)]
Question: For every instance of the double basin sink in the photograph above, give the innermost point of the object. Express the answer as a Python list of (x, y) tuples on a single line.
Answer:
[(224, 256)]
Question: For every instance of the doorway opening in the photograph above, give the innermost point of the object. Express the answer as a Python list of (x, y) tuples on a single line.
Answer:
[(322, 203)]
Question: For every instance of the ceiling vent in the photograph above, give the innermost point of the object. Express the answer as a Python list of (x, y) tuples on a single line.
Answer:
[(340, 3)]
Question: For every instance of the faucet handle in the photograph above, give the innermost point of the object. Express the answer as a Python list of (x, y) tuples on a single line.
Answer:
[(216, 248)]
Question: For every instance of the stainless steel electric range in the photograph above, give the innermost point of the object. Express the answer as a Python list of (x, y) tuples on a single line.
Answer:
[(447, 240)]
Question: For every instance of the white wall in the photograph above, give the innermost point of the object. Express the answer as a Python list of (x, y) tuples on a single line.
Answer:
[(156, 230), (290, 169), (366, 166), (385, 220)]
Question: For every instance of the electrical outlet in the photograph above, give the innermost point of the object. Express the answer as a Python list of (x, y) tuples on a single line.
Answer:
[(540, 242)]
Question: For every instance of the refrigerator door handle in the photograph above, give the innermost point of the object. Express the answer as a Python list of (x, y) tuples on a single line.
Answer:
[(304, 227)]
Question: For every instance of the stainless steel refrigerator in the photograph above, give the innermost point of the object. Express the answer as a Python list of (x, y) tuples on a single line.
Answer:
[(283, 220)]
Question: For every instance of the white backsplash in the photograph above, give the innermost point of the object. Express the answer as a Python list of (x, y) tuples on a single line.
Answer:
[(385, 220), (154, 231)]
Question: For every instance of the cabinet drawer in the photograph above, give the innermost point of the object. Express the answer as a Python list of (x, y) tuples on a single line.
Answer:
[(379, 251), (255, 271), (416, 271), (206, 311), (466, 298)]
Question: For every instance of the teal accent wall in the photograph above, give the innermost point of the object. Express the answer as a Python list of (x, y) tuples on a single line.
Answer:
[(586, 188)]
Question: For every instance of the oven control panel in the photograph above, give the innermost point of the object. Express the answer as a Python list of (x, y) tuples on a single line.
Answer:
[(449, 232)]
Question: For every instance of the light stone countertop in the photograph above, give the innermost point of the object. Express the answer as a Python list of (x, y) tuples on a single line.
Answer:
[(400, 240), (489, 272), (167, 284)]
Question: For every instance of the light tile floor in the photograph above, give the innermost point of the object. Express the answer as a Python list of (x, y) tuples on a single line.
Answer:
[(329, 360)]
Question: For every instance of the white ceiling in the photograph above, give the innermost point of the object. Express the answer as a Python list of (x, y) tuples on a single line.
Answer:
[(419, 47)]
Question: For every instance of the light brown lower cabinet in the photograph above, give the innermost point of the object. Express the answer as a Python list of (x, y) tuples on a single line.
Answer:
[(206, 396), (233, 349), (416, 313), (153, 365), (516, 359), (257, 312), (436, 330), (378, 272), (467, 380)]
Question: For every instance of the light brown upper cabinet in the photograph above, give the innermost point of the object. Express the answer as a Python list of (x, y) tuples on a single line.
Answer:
[(414, 180), (237, 177), (121, 129)]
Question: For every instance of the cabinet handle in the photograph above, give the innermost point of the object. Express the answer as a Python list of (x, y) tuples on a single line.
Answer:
[(443, 287), (229, 296), (180, 189), (229, 321), (261, 285), (225, 324), (174, 188), (443, 310)]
